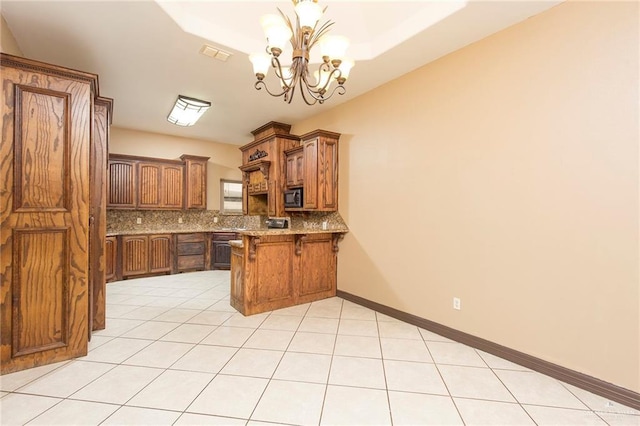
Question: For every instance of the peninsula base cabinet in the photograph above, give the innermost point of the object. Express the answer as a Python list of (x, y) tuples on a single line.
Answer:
[(277, 271)]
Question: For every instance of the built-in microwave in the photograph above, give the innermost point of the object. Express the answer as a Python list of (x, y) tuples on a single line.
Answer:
[(293, 198)]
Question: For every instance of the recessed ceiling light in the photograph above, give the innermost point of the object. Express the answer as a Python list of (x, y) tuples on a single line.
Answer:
[(215, 53)]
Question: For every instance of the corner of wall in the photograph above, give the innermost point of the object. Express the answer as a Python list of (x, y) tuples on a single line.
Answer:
[(8, 43)]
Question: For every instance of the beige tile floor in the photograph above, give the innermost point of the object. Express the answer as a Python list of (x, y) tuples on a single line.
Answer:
[(175, 353)]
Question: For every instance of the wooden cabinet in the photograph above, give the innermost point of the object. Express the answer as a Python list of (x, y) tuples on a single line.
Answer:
[(156, 183), (263, 164), (191, 252), (47, 124), (294, 173), (320, 150), (221, 249), (275, 271), (98, 211), (122, 183), (195, 181), (160, 185), (146, 254), (111, 259)]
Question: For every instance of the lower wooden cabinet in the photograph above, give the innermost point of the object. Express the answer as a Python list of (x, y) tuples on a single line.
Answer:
[(221, 249), (146, 254), (191, 252), (111, 258), (277, 271)]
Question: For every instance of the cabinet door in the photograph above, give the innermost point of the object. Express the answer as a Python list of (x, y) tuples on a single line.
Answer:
[(98, 219), (328, 175), (294, 169), (150, 181), (195, 182), (221, 255), (310, 194), (121, 191), (44, 214), (135, 255), (111, 251), (160, 253), (317, 265), (172, 188)]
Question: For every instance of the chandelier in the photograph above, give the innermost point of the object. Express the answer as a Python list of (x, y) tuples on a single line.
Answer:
[(303, 37)]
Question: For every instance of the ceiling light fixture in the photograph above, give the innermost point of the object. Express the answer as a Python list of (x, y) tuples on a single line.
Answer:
[(187, 111), (303, 37)]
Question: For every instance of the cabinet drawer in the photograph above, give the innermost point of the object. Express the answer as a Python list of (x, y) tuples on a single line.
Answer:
[(191, 262), (190, 248), (190, 238), (224, 236)]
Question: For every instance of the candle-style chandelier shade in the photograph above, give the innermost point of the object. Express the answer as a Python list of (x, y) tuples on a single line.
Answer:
[(303, 37)]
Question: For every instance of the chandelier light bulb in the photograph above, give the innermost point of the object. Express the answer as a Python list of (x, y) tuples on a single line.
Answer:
[(309, 12), (334, 46), (276, 31), (345, 68), (261, 63)]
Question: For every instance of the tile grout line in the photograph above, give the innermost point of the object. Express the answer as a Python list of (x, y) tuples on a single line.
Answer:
[(333, 351)]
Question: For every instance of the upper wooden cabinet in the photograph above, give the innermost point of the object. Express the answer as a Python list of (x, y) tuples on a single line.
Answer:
[(121, 185), (160, 185), (196, 181), (263, 165), (155, 183), (277, 160), (294, 160), (320, 152)]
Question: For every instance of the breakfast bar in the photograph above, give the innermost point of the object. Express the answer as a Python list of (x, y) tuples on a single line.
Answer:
[(273, 269)]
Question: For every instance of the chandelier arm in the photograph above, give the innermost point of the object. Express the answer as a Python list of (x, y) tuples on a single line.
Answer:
[(266, 88), (310, 92)]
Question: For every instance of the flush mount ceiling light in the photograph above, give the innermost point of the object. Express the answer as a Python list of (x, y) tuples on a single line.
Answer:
[(187, 111), (303, 37)]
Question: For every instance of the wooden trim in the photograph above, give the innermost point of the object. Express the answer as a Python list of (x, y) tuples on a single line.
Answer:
[(49, 69), (580, 380), (144, 159), (320, 133)]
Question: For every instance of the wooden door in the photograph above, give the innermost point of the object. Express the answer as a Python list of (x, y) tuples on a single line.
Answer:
[(44, 213), (160, 259), (317, 250), (121, 191), (310, 194), (195, 181), (110, 255), (135, 255), (172, 187), (149, 184), (98, 212), (328, 175)]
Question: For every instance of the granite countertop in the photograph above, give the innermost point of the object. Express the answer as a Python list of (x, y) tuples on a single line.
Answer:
[(172, 230), (242, 231), (260, 232)]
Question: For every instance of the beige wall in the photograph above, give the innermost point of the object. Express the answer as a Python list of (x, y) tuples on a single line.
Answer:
[(516, 162), (223, 163), (8, 43)]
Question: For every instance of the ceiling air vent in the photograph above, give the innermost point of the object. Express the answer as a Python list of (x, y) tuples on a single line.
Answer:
[(215, 53)]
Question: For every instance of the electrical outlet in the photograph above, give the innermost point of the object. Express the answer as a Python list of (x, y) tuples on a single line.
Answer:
[(325, 225), (139, 221), (215, 219), (179, 220), (456, 303)]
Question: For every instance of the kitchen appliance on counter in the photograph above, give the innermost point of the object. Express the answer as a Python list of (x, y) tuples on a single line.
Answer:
[(277, 223)]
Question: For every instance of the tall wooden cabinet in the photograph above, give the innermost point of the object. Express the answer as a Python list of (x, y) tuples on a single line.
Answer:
[(98, 211), (45, 200), (195, 196)]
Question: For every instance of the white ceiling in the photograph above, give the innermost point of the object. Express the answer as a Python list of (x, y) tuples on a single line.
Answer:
[(147, 52)]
